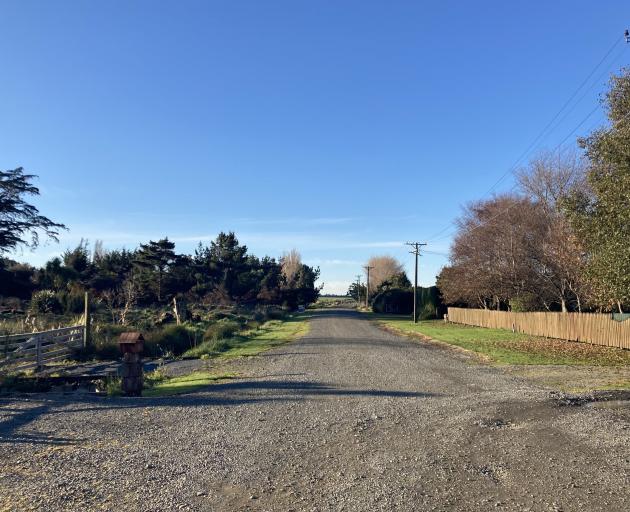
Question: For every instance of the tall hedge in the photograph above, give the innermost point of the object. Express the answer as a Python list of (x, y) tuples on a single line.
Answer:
[(400, 301)]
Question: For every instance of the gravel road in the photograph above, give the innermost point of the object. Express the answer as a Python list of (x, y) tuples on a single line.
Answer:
[(348, 418)]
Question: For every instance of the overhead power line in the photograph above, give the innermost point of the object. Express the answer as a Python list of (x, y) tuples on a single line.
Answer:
[(448, 229), (548, 125), (505, 210)]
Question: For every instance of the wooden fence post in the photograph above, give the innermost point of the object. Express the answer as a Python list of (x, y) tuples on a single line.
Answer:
[(86, 322), (38, 348)]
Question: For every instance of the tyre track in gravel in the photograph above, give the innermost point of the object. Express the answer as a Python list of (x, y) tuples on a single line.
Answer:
[(348, 418)]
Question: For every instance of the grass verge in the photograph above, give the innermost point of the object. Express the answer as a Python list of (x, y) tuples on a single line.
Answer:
[(505, 347), (268, 335), (569, 366), (158, 385)]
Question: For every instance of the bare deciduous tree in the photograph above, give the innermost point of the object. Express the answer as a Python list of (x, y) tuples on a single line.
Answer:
[(291, 263), (383, 268), (491, 251), (129, 296), (111, 300), (552, 176), (549, 179), (519, 251)]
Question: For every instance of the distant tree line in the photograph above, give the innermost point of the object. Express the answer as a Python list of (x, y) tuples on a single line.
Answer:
[(151, 275), (561, 241), (221, 273)]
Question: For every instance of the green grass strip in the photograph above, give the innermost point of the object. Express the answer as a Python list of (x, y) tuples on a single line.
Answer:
[(271, 334), (158, 385), (506, 347)]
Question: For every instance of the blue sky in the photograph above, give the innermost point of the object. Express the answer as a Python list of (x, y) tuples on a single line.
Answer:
[(339, 128)]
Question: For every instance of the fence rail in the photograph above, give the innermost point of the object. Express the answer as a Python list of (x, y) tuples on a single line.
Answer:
[(20, 352), (594, 328)]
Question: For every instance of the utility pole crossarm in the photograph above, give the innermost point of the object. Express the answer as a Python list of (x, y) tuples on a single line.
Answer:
[(415, 250)]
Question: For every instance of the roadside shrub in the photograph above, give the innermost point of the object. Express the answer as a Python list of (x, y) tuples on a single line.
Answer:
[(24, 384), (45, 301), (210, 348), (252, 325), (221, 346), (400, 301), (172, 340), (275, 314), (221, 329), (111, 386), (241, 319), (104, 342), (430, 296), (394, 300), (143, 325), (154, 377), (427, 312), (72, 302), (526, 302)]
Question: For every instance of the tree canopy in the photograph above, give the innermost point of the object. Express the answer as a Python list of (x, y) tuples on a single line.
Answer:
[(562, 240), (221, 273), (20, 221), (600, 213)]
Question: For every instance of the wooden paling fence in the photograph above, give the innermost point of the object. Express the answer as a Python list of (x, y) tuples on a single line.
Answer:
[(594, 328), (19, 352)]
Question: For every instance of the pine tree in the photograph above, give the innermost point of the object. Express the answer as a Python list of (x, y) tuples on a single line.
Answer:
[(153, 262), (19, 219)]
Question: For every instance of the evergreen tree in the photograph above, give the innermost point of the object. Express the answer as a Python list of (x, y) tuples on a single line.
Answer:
[(19, 219), (227, 260), (602, 217), (153, 262)]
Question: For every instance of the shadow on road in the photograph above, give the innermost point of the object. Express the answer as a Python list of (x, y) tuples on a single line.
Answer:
[(19, 418), (226, 394), (20, 412)]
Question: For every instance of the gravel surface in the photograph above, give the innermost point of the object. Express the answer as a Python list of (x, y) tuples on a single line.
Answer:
[(348, 418)]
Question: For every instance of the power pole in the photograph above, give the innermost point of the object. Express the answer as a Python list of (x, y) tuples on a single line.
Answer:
[(367, 286), (415, 250), (358, 290)]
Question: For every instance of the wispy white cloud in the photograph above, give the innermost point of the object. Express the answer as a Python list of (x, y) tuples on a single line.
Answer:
[(278, 241), (339, 262), (372, 245), (296, 221)]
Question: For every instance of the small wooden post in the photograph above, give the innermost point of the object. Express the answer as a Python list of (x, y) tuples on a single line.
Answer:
[(86, 321), (38, 341)]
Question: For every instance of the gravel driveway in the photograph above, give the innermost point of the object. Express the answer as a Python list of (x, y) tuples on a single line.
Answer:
[(348, 418)]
